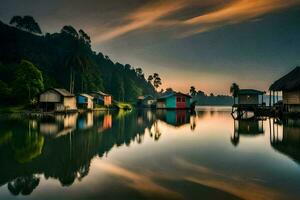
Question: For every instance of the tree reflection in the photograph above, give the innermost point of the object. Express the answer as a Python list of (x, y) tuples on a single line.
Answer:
[(62, 147), (23, 185), (27, 145)]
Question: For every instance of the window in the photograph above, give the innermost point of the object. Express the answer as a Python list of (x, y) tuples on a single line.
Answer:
[(183, 99), (178, 99)]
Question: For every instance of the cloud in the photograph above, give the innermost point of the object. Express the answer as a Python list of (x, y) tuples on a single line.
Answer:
[(162, 14), (142, 17), (236, 12)]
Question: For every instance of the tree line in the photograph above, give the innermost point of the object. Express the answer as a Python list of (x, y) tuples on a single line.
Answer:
[(64, 59)]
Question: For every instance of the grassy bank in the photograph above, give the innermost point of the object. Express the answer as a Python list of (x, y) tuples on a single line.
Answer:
[(12, 109)]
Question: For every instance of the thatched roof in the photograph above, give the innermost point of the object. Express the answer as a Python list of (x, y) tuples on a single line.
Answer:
[(289, 82)]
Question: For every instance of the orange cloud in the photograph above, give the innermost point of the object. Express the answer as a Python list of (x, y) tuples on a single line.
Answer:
[(237, 12), (143, 17), (154, 15)]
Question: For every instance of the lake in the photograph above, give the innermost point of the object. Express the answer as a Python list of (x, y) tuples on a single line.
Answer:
[(146, 154)]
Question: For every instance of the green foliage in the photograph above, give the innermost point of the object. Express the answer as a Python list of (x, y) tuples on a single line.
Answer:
[(124, 106), (5, 91), (193, 91), (27, 23), (66, 60), (84, 37), (69, 30), (29, 81), (154, 80), (234, 89)]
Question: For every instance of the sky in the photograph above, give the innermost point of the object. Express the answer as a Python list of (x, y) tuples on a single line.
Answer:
[(205, 43)]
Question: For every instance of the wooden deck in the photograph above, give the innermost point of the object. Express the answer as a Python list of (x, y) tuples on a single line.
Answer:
[(259, 110)]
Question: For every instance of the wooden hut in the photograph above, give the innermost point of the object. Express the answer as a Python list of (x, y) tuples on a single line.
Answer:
[(250, 97), (146, 101), (289, 85), (101, 98), (85, 101), (57, 100), (174, 100)]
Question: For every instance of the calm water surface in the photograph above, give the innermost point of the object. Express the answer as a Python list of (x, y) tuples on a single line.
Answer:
[(149, 155)]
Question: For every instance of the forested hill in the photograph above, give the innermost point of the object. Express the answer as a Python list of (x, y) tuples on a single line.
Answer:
[(67, 57)]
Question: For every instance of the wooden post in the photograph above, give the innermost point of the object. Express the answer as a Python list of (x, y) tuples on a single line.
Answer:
[(277, 96), (270, 97), (273, 97)]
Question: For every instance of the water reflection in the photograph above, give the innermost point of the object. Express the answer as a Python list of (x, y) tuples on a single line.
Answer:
[(247, 127), (62, 146), (196, 161), (285, 137)]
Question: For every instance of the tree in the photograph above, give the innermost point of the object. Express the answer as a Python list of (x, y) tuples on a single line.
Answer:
[(85, 37), (234, 90), (27, 23), (156, 80), (150, 79), (5, 91), (29, 81), (139, 72), (17, 20), (193, 91), (200, 93), (69, 30), (127, 67)]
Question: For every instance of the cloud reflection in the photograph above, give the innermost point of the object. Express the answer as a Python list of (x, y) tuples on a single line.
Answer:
[(243, 187), (142, 183)]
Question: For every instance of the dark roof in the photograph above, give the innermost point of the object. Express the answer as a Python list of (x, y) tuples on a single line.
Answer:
[(101, 93), (290, 81), (63, 92), (250, 91), (172, 94)]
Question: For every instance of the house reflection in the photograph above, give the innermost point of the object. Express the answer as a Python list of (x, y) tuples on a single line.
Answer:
[(176, 118), (285, 137), (85, 120), (58, 125), (66, 158), (107, 123), (246, 127)]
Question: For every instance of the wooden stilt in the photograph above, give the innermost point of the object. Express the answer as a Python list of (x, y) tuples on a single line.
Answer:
[(270, 98)]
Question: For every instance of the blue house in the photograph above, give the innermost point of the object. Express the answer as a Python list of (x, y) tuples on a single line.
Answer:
[(85, 101), (174, 100)]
